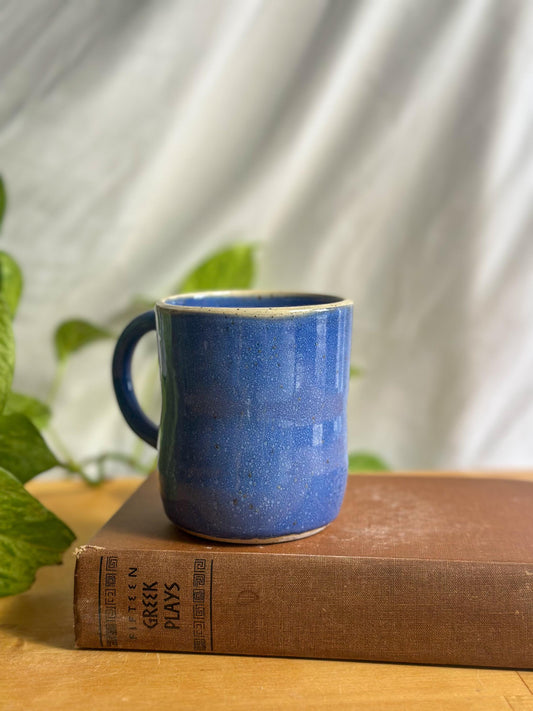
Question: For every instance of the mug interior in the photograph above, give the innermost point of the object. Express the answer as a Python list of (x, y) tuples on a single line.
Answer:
[(251, 300)]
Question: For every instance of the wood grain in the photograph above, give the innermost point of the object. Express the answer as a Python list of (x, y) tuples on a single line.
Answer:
[(39, 668)]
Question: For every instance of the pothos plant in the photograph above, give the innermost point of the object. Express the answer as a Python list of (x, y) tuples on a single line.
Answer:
[(30, 535)]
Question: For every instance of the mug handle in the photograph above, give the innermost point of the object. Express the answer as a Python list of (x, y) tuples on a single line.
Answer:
[(122, 383)]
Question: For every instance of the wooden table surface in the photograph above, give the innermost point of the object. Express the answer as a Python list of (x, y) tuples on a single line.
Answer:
[(40, 669)]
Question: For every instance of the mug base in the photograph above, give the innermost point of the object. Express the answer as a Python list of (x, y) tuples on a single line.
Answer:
[(255, 541)]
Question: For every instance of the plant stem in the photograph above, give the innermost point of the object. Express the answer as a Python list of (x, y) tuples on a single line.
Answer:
[(68, 463), (56, 383), (74, 468), (59, 444), (116, 457)]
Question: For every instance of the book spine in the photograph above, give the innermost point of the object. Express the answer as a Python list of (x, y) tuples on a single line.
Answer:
[(400, 610)]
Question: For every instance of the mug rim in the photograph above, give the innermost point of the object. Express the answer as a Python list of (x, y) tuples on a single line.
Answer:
[(334, 302)]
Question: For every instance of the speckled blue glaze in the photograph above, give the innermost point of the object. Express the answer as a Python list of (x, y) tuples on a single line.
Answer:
[(252, 443)]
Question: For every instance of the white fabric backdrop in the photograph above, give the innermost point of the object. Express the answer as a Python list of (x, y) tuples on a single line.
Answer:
[(381, 149)]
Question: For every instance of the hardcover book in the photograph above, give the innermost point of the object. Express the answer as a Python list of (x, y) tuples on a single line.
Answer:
[(420, 569)]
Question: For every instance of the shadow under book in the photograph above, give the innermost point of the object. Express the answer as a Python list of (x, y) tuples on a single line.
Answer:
[(421, 569)]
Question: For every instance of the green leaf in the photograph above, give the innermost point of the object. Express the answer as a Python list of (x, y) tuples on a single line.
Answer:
[(10, 282), (3, 200), (30, 536), (71, 336), (7, 353), (23, 451), (230, 268), (366, 462), (34, 409)]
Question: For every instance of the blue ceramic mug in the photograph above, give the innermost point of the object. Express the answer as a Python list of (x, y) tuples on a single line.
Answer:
[(252, 442)]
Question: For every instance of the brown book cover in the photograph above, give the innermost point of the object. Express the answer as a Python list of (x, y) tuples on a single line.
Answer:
[(421, 569)]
